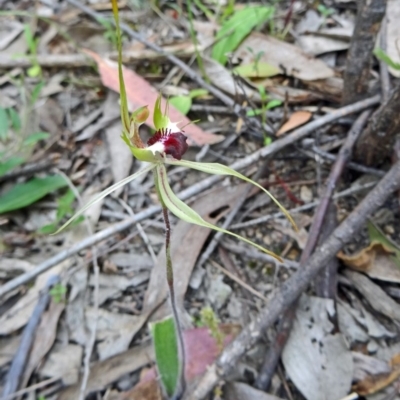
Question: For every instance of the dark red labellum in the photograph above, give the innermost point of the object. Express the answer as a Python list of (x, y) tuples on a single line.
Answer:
[(174, 143)]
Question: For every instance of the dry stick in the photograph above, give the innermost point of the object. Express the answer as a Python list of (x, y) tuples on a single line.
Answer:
[(20, 359), (351, 165), (285, 324), (189, 192), (359, 57), (291, 289), (376, 142)]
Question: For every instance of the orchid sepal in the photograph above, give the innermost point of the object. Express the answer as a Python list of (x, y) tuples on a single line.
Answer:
[(104, 193), (220, 169), (186, 213)]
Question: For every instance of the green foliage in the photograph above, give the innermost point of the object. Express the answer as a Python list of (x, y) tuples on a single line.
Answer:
[(325, 11), (64, 207), (3, 124), (32, 43), (184, 103), (165, 342), (109, 33), (382, 56), (237, 27), (210, 320), (25, 194), (57, 292), (10, 164)]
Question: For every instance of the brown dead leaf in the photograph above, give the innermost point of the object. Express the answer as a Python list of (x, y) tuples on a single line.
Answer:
[(140, 93), (297, 119), (376, 261)]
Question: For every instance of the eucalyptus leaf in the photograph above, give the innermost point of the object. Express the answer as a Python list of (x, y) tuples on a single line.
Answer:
[(165, 343), (27, 193), (257, 69)]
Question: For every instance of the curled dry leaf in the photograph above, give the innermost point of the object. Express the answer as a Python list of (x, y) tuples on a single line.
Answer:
[(374, 383), (297, 119), (377, 261), (140, 93)]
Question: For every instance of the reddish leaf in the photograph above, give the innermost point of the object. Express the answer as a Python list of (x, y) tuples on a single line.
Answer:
[(297, 119), (140, 93)]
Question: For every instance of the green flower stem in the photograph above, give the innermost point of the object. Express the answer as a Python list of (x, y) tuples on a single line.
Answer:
[(181, 385)]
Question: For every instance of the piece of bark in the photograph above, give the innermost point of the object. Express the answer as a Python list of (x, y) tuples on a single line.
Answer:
[(375, 144), (359, 57)]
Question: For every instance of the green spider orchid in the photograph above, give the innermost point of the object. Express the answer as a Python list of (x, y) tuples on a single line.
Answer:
[(165, 147)]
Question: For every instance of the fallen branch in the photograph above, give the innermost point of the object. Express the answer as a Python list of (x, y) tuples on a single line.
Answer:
[(359, 57), (189, 192), (282, 297)]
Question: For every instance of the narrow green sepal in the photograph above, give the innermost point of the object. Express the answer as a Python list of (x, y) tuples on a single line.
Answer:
[(220, 169), (184, 212), (105, 193)]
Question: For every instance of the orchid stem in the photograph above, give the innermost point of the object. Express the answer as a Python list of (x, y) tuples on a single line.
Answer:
[(181, 384)]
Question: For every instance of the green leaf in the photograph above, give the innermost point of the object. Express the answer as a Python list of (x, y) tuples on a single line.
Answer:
[(185, 213), (105, 193), (257, 69), (15, 119), (273, 103), (34, 71), (36, 91), (197, 93), (236, 28), (220, 169), (3, 123), (36, 137), (181, 103), (381, 55), (10, 164), (25, 194), (165, 343)]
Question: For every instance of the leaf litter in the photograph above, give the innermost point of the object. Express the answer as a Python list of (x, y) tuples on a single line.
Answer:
[(79, 108)]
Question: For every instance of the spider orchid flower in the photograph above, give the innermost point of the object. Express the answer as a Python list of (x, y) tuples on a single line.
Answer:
[(165, 147)]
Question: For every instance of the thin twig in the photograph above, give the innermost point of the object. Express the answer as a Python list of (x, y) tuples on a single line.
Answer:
[(282, 297), (31, 388), (189, 192), (238, 280), (19, 361)]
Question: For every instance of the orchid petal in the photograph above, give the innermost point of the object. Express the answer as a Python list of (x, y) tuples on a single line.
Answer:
[(105, 193), (160, 120), (184, 212), (220, 169)]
